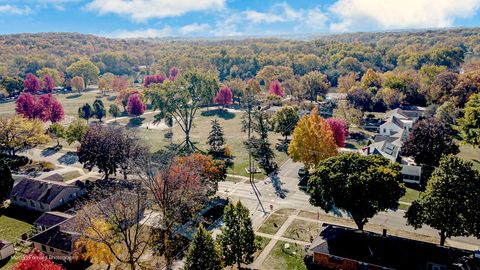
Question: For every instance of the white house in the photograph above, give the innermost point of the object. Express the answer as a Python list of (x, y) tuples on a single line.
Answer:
[(6, 250)]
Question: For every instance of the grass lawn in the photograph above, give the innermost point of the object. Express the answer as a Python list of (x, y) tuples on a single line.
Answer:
[(273, 223), (410, 195), (467, 152), (263, 243), (70, 175), (10, 229), (285, 258), (302, 230)]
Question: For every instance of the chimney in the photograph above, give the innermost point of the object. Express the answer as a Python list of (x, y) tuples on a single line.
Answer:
[(384, 233)]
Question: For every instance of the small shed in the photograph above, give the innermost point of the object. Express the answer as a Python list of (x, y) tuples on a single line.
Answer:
[(6, 250)]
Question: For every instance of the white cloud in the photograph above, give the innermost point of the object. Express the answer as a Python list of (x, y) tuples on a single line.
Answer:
[(194, 27), (316, 19), (281, 12), (395, 14), (143, 33), (9, 9), (227, 25), (140, 10), (262, 17)]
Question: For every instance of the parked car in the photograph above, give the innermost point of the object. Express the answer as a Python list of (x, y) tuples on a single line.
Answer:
[(302, 172)]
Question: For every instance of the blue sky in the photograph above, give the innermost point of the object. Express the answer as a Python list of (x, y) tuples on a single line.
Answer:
[(210, 18)]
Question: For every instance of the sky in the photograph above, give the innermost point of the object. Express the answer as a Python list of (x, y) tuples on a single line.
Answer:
[(225, 18)]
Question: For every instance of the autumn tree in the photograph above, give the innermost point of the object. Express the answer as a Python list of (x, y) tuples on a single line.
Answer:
[(173, 73), (339, 130), (18, 134), (52, 109), (203, 252), (237, 237), (470, 123), (6, 182), (275, 89), (105, 82), (153, 79), (314, 84), (55, 75), (28, 106), (428, 141), (312, 141), (48, 83), (360, 185), (85, 112), (450, 202), (84, 69), (76, 131), (57, 132), (390, 97), (447, 113), (371, 79), (347, 112), (114, 111), (119, 84), (224, 96), (31, 83), (285, 120), (346, 82), (98, 109), (360, 98), (36, 260), (216, 140), (13, 85), (135, 106), (122, 97), (77, 84)]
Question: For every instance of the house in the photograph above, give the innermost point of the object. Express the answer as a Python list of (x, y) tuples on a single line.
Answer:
[(340, 247), (49, 219), (6, 250), (43, 195)]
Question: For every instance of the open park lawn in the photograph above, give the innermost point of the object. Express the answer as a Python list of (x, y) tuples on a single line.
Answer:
[(282, 257)]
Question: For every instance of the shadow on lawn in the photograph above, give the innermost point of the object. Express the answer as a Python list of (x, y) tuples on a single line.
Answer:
[(68, 158), (20, 213), (51, 150), (74, 96), (135, 122), (224, 114)]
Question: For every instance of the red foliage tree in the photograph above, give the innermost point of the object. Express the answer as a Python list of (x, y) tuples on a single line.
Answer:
[(276, 89), (224, 96), (151, 79), (28, 106), (173, 73), (340, 130), (135, 105), (52, 109), (48, 83), (31, 83), (36, 261), (119, 84)]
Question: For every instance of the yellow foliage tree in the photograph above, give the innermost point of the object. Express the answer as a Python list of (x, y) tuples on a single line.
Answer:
[(94, 250), (18, 134), (312, 140)]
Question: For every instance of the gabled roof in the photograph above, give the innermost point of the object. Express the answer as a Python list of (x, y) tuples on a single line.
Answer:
[(61, 236), (41, 190), (50, 219)]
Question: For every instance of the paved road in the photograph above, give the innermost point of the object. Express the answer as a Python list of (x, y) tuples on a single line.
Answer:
[(297, 199)]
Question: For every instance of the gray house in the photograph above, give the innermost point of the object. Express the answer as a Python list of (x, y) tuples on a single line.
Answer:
[(42, 195)]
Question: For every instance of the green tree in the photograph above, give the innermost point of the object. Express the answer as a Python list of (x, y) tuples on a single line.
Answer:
[(447, 113), (285, 120), (450, 203), (371, 79), (315, 84), (99, 109), (85, 112), (216, 139), (85, 69), (6, 182), (237, 238), (360, 185), (56, 131), (203, 252), (114, 111), (260, 146), (470, 123), (75, 131)]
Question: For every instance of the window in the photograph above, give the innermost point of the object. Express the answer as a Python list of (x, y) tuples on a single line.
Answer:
[(44, 248), (61, 201), (384, 130)]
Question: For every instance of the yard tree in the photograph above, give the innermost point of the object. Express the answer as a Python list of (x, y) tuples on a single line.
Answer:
[(391, 98), (428, 141), (224, 96), (203, 252), (180, 186), (31, 83), (119, 83), (105, 82), (56, 131), (18, 134), (36, 260), (114, 111), (122, 97), (48, 83), (314, 84), (181, 99), (360, 98), (77, 84), (447, 113), (237, 237), (85, 112), (103, 147), (85, 69), (52, 109), (285, 120), (360, 185), (275, 89), (371, 79), (216, 140), (135, 106), (339, 129), (470, 123), (450, 202), (99, 109), (312, 141), (28, 106), (76, 131), (347, 112), (6, 182), (346, 82)]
